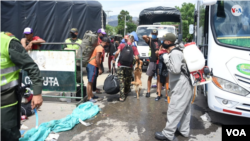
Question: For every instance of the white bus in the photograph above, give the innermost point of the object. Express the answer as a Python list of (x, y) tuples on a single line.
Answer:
[(142, 46), (223, 34)]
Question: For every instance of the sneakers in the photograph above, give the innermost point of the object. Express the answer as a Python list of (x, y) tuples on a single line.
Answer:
[(157, 94), (166, 99), (147, 94), (154, 86), (157, 98), (92, 100)]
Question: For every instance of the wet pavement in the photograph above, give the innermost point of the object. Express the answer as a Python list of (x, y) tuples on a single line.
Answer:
[(138, 120)]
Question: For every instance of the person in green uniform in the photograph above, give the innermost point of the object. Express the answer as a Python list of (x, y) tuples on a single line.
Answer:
[(73, 39), (13, 58)]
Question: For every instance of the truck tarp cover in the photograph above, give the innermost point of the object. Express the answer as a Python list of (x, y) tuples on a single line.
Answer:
[(159, 14), (51, 20)]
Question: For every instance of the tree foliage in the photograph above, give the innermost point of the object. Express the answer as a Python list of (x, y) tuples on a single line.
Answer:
[(131, 26), (187, 16), (110, 30)]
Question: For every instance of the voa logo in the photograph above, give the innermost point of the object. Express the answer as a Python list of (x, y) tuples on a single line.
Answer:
[(237, 10), (236, 132)]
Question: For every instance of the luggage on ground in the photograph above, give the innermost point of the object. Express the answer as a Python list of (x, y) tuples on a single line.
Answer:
[(111, 84), (78, 92)]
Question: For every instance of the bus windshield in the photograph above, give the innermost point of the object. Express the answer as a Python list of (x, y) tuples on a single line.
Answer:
[(147, 31), (231, 23)]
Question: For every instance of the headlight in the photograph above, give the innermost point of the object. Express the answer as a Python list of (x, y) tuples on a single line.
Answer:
[(229, 86)]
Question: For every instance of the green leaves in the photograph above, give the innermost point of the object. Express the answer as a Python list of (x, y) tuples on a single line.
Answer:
[(121, 22), (187, 16), (110, 30)]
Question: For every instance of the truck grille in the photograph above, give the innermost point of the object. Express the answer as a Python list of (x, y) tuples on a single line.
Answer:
[(143, 54)]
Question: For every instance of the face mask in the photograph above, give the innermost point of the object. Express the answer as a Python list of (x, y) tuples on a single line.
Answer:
[(73, 35), (167, 46), (154, 36)]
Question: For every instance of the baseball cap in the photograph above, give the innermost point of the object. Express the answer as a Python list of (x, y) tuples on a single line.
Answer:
[(169, 37), (27, 30), (73, 30), (155, 31), (101, 30)]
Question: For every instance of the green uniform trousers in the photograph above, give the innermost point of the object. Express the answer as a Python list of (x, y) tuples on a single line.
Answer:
[(10, 123), (124, 76)]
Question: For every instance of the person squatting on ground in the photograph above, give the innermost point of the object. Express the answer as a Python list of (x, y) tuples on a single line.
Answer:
[(125, 65), (13, 58), (30, 42), (179, 108), (94, 68), (154, 44)]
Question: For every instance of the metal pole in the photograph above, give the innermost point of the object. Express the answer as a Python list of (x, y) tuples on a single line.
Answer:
[(125, 26), (108, 16)]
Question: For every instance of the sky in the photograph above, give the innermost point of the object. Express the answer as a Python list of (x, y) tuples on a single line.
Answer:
[(134, 7)]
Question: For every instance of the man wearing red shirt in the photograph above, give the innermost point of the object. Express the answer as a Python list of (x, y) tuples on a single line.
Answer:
[(125, 72), (30, 42)]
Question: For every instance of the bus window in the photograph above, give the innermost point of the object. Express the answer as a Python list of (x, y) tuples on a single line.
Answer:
[(231, 22)]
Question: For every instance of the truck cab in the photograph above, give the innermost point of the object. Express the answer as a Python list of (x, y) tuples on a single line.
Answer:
[(149, 19), (142, 46)]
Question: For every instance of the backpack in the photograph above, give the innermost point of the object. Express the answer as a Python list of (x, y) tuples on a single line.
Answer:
[(111, 84), (89, 42), (184, 68), (127, 56)]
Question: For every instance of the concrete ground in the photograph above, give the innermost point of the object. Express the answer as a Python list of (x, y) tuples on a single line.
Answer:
[(133, 120)]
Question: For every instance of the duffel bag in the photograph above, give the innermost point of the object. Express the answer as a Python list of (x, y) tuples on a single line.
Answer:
[(111, 84)]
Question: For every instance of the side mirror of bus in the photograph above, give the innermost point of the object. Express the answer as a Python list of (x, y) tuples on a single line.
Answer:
[(209, 2), (191, 29)]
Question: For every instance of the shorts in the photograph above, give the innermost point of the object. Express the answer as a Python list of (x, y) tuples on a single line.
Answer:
[(92, 72), (151, 69), (163, 80)]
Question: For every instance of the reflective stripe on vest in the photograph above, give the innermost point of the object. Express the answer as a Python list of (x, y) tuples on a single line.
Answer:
[(6, 106), (9, 72), (73, 46), (11, 69)]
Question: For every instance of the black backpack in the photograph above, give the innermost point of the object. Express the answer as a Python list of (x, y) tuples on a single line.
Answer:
[(127, 56), (111, 84)]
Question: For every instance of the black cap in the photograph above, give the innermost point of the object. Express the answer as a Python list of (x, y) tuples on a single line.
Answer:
[(169, 37), (155, 31)]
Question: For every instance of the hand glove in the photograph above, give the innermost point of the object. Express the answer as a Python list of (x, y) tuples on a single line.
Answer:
[(166, 58)]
